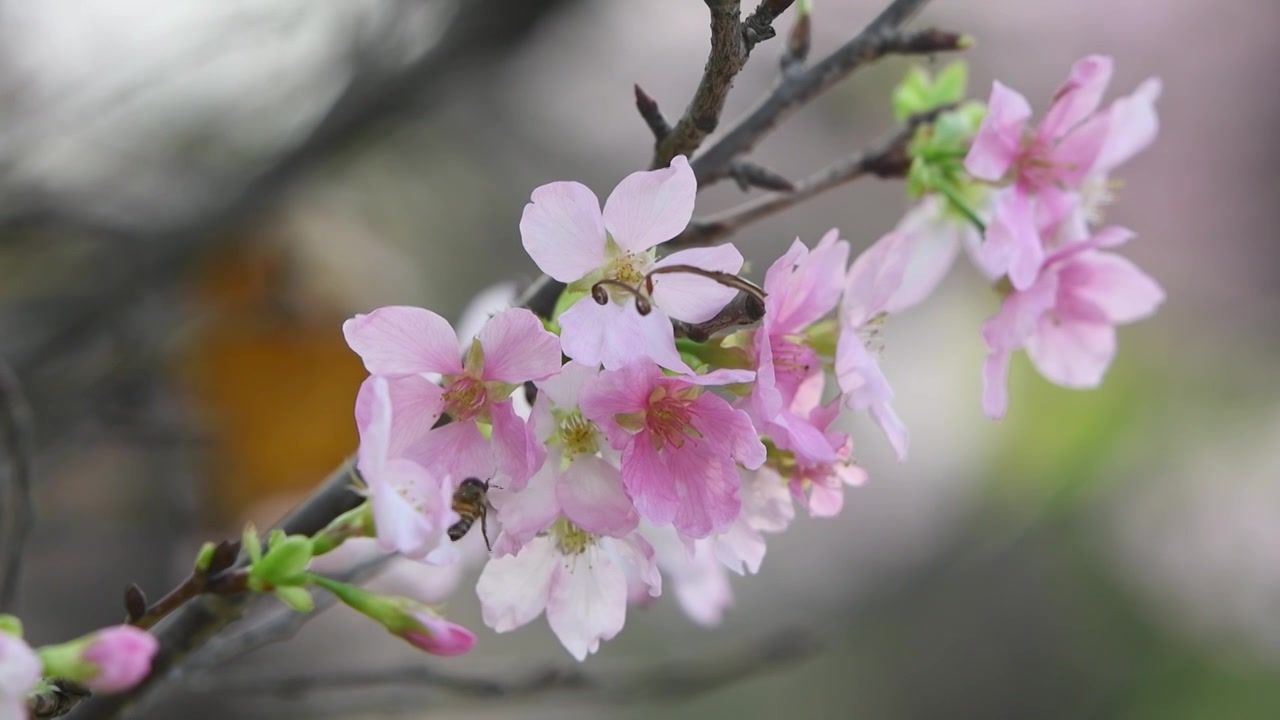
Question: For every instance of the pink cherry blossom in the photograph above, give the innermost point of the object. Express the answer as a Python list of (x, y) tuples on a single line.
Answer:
[(802, 287), (511, 348), (1048, 165), (438, 636), (766, 508), (122, 655), (19, 675), (411, 505), (700, 580), (874, 278), (578, 579), (819, 485), (1066, 319), (575, 482), (680, 444), (566, 233)]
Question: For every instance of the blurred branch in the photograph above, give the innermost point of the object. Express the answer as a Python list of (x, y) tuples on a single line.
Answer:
[(798, 87), (669, 681), (16, 507), (745, 309), (731, 44), (888, 158)]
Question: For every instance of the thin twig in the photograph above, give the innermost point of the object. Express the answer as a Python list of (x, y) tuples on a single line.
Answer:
[(745, 309), (652, 116), (16, 507), (731, 44), (668, 681), (880, 38), (886, 159)]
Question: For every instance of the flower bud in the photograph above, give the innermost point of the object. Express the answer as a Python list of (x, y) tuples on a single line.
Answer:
[(110, 660), (405, 618)]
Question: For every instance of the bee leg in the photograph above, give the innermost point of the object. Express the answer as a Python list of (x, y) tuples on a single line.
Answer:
[(484, 529)]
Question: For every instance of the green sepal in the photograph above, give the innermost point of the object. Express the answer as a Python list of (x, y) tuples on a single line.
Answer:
[(251, 543), (919, 93), (284, 564), (11, 625), (297, 598), (204, 558)]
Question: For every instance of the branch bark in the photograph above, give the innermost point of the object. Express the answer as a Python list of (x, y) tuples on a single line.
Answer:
[(797, 88), (16, 508)]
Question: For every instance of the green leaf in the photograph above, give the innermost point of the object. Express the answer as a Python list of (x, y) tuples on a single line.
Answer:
[(252, 545), (949, 86), (912, 96), (205, 557), (10, 625), (297, 598), (285, 562)]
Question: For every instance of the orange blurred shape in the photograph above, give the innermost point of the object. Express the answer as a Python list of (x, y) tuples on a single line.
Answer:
[(274, 380)]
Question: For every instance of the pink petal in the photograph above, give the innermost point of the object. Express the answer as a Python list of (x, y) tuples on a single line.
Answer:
[(999, 138), (720, 376), (800, 436), (874, 278), (995, 381), (727, 430), (616, 335), (441, 637), (1076, 154), (588, 602), (410, 509), (122, 655), (693, 298), (1133, 125), (618, 392), (20, 671), (766, 399), (1114, 284), (373, 422), (526, 513), (1013, 239), (513, 590), (766, 501), (1078, 98), (707, 485), (563, 231), (516, 452), (635, 556), (457, 450), (650, 207), (894, 429), (702, 587), (564, 387), (932, 245), (858, 374), (804, 286), (517, 348), (1072, 354), (648, 481), (824, 501), (590, 491), (1020, 314), (399, 340), (740, 548), (416, 406)]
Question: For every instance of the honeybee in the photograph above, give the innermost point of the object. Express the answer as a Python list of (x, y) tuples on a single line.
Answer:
[(471, 501)]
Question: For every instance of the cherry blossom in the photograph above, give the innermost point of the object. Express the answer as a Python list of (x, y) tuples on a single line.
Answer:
[(871, 283), (578, 579), (680, 444), (19, 675), (573, 241), (511, 348), (411, 505), (1066, 319)]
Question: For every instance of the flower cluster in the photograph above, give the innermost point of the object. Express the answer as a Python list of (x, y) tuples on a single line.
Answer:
[(647, 456)]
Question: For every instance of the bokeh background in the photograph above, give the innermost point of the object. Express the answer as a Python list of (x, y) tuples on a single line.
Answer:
[(194, 195)]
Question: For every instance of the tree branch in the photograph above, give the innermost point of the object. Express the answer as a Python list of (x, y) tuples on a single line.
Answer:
[(667, 682), (796, 88), (16, 508), (731, 44), (886, 159)]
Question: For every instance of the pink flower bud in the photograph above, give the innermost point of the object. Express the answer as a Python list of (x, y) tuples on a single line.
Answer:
[(122, 656), (438, 636)]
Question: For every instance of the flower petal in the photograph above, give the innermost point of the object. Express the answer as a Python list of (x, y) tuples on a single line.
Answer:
[(995, 382), (588, 602), (740, 548), (1072, 354), (400, 340), (652, 206), (648, 481), (858, 374), (19, 672), (618, 392), (513, 590), (1114, 284), (517, 348), (526, 513), (874, 278), (728, 430), (563, 231), (707, 486), (932, 245), (457, 450), (517, 453), (1078, 98), (1013, 240), (590, 491), (766, 503), (615, 335), (893, 427), (411, 509), (999, 138), (1133, 125), (805, 285), (693, 298), (564, 387)]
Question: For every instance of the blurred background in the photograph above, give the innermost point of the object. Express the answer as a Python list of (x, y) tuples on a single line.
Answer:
[(194, 195)]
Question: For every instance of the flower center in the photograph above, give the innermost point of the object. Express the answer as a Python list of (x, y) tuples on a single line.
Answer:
[(577, 435), (466, 398), (571, 539), (667, 417)]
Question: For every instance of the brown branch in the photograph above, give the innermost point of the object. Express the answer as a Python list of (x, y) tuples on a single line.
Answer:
[(880, 38), (731, 44), (219, 578), (888, 158), (652, 116), (56, 699), (669, 681), (748, 175), (16, 508), (745, 309)]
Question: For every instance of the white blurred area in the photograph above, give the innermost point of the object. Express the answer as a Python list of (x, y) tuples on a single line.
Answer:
[(425, 211)]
